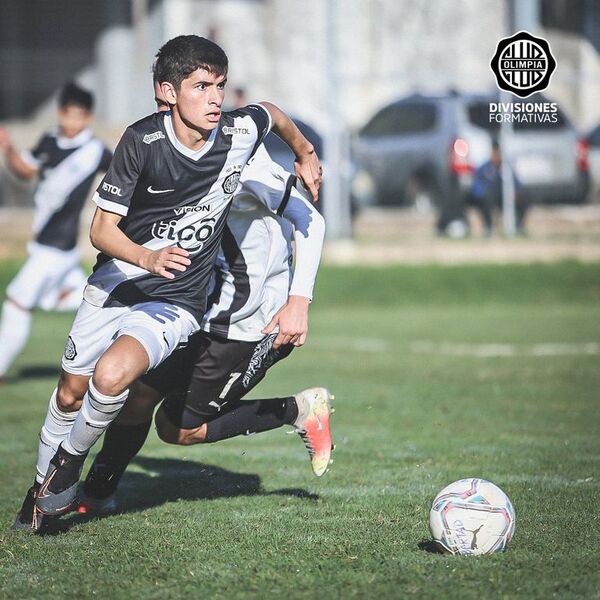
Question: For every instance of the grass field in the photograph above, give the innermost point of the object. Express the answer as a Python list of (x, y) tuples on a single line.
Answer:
[(439, 373)]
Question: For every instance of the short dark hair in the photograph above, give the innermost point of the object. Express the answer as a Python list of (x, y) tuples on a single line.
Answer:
[(182, 55), (73, 95)]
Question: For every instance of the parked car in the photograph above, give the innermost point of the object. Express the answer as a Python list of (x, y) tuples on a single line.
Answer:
[(427, 147)]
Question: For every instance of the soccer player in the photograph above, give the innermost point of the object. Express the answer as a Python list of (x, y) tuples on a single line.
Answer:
[(66, 161), (161, 212), (204, 383)]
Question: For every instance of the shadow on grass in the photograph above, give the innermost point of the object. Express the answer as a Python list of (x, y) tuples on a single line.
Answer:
[(36, 372), (169, 480), (429, 546)]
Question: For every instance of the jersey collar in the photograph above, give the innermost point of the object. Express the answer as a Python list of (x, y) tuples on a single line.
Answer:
[(65, 143), (193, 154)]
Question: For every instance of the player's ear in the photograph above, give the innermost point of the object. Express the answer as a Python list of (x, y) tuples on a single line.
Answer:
[(169, 92)]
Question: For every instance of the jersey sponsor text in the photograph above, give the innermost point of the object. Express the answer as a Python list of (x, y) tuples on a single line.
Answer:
[(152, 137)]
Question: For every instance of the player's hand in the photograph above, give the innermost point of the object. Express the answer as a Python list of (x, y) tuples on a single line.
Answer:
[(162, 262), (5, 142), (309, 170), (292, 320)]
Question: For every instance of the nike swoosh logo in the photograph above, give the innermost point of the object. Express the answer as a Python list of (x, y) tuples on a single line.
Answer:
[(44, 487), (158, 191)]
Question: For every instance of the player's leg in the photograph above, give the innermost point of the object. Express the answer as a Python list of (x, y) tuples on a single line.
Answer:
[(121, 443), (91, 333), (62, 410), (239, 418), (147, 335), (216, 384), (308, 411), (44, 267), (106, 394), (126, 435), (15, 326), (22, 295), (212, 409), (67, 294)]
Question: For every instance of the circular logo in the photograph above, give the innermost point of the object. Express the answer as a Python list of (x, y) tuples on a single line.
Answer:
[(231, 182), (523, 64)]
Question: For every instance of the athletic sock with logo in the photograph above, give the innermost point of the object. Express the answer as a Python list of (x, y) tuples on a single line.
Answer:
[(56, 428), (252, 416), (97, 412), (14, 333)]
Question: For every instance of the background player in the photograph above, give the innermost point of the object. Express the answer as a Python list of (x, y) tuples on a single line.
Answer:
[(66, 161), (204, 383), (170, 184)]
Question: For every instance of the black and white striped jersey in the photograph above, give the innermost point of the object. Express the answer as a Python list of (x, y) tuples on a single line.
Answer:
[(67, 167), (253, 273), (169, 195)]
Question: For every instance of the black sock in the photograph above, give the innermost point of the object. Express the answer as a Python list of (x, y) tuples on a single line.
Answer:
[(252, 416), (120, 446), (123, 442)]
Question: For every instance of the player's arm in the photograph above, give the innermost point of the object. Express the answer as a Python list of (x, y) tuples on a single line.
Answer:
[(309, 234), (106, 236), (14, 160), (307, 165), (113, 198)]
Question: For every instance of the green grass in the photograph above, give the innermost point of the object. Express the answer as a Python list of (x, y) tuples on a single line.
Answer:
[(245, 518)]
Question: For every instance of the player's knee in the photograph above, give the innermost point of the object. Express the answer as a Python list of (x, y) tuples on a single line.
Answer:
[(70, 391), (172, 434), (188, 437), (165, 430), (16, 303), (68, 399), (110, 377), (120, 366)]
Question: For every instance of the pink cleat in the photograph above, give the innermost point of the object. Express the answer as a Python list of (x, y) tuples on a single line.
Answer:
[(312, 424)]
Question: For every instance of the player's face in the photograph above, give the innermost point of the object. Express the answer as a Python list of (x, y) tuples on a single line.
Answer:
[(161, 103), (73, 120), (198, 101)]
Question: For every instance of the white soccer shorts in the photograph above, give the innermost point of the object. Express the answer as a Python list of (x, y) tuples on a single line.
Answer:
[(44, 271), (160, 327)]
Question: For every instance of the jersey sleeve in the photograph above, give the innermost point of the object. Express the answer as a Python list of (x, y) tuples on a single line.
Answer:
[(309, 235), (105, 160), (116, 188), (266, 181), (261, 117), (33, 157)]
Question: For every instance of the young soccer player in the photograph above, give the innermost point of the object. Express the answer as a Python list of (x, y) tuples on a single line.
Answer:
[(66, 161), (161, 213), (204, 383)]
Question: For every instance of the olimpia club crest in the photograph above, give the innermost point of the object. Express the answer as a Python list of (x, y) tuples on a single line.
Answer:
[(70, 349), (231, 181), (523, 64)]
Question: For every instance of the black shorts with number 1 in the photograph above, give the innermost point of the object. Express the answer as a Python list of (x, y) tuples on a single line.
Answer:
[(211, 375)]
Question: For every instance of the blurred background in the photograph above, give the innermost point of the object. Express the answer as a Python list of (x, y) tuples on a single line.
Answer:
[(394, 95)]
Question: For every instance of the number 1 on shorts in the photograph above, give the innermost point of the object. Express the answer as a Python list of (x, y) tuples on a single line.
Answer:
[(233, 377)]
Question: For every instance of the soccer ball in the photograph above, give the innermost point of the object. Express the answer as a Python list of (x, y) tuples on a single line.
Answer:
[(472, 516)]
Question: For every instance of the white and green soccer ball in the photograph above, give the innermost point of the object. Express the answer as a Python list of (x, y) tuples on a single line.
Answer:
[(472, 516)]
